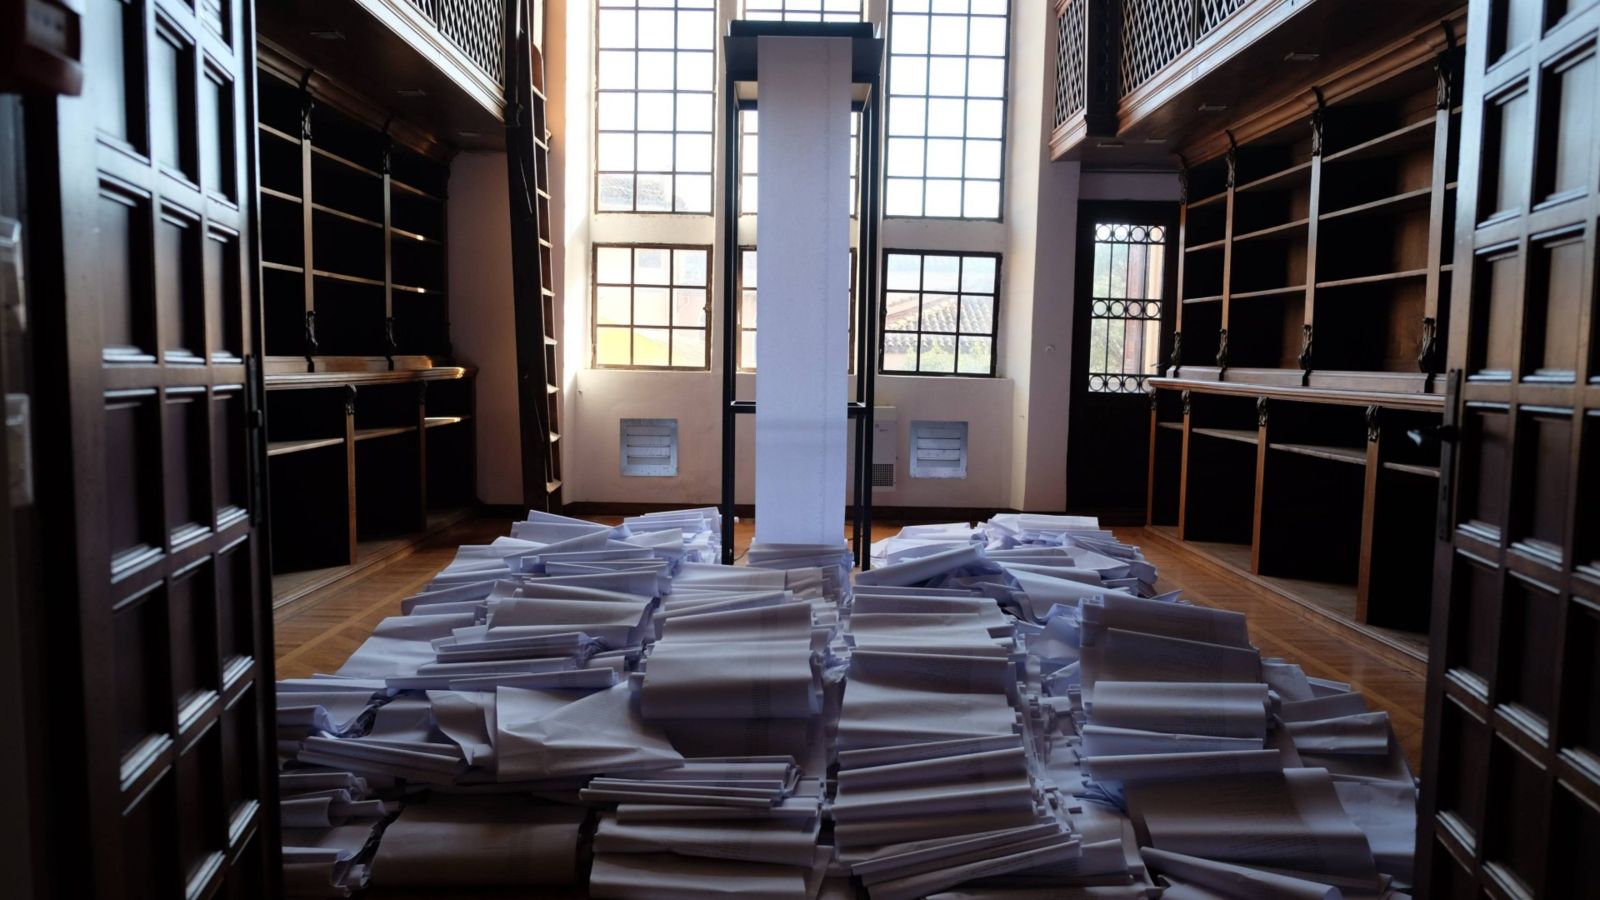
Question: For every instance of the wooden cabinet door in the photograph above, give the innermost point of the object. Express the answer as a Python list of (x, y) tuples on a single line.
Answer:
[(148, 182), (1511, 799)]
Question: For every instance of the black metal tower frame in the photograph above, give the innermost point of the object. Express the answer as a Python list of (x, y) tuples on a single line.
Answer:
[(740, 47)]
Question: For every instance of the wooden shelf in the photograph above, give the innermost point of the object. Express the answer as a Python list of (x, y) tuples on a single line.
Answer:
[(412, 289), (1380, 278), (351, 279), (1211, 298), (1404, 137), (1241, 435), (329, 155), (1204, 202), (402, 234), (413, 191), (1269, 292), (281, 267), (1290, 177), (282, 381), (1318, 451), (1276, 232), (1419, 402), (349, 217), (368, 434), (279, 195), (1208, 245), (280, 135), (1387, 206), (438, 421), (1174, 426), (1413, 469), (281, 448)]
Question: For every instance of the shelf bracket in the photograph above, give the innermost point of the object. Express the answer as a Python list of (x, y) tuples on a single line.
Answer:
[(1183, 179), (307, 104), (1233, 160), (1305, 349), (1177, 350), (1261, 412), (350, 400), (1374, 423), (1186, 403), (1444, 69), (311, 340), (1428, 347), (390, 345), (1318, 120), (1222, 348)]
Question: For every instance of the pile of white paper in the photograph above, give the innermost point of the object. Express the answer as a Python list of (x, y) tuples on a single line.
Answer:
[(1007, 710)]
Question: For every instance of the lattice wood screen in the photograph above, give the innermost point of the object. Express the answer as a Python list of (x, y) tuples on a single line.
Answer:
[(477, 27), (1072, 64), (1156, 32)]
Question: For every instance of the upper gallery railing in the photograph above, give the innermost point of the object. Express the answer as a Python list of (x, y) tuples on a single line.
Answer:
[(1106, 49), (475, 27)]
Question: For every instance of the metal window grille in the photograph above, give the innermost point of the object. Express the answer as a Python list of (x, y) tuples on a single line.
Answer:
[(1125, 319)]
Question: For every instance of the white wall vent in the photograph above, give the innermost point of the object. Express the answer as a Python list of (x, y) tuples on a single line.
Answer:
[(649, 447), (938, 449)]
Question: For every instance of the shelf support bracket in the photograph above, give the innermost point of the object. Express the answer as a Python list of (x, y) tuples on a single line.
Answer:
[(1177, 350), (1222, 348), (311, 340), (1318, 121), (1305, 349)]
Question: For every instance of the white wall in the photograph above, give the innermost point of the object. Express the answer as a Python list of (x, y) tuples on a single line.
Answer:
[(482, 320)]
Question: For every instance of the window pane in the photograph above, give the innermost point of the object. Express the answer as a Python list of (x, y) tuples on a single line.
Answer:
[(615, 192), (899, 353), (947, 80), (654, 193), (688, 347), (939, 313), (747, 350), (976, 356), (689, 268), (977, 314), (652, 306), (611, 346), (613, 305), (977, 274), (903, 272), (613, 265), (941, 273), (650, 265), (650, 346), (937, 353)]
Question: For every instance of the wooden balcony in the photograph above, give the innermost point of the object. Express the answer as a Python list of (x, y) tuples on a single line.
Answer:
[(1138, 79), (437, 63)]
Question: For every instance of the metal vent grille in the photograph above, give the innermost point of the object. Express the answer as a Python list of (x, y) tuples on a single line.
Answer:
[(938, 449), (883, 475), (649, 447)]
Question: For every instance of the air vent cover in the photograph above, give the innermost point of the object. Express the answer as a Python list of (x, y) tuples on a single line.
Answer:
[(883, 475), (649, 447), (938, 449)]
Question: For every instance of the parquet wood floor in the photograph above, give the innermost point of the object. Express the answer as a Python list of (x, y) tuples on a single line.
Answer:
[(319, 634)]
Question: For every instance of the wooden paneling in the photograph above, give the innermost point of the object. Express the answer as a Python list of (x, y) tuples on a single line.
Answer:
[(1514, 676), (154, 618)]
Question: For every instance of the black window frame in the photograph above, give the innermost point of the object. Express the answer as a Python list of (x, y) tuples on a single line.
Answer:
[(994, 322), (594, 306)]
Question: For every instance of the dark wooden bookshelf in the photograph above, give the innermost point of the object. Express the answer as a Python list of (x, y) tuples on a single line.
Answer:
[(1295, 437), (369, 426)]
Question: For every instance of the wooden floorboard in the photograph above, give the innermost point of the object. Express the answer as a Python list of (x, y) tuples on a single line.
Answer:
[(321, 632)]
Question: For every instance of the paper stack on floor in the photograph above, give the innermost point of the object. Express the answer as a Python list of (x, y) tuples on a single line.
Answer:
[(1009, 710)]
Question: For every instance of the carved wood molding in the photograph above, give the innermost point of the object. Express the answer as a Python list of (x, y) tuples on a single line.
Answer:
[(1407, 52)]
